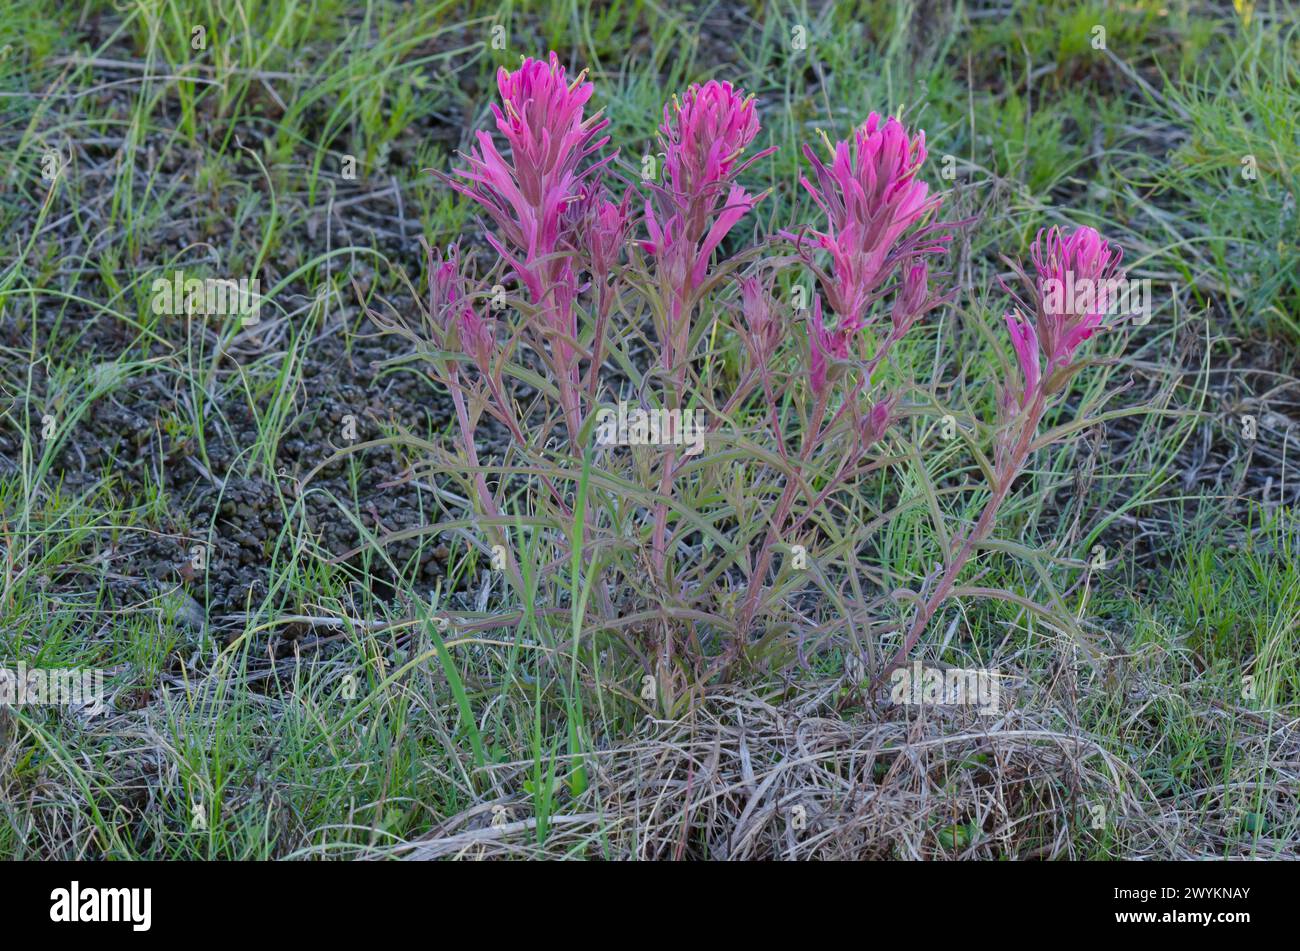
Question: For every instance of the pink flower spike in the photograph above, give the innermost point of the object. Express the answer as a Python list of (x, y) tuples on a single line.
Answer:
[(704, 136), (872, 199), (1077, 278), (552, 145)]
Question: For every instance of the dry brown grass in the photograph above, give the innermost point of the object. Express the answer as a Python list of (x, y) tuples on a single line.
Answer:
[(728, 782)]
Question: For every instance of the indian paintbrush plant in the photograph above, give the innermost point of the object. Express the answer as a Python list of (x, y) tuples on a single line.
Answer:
[(1054, 334), (600, 289)]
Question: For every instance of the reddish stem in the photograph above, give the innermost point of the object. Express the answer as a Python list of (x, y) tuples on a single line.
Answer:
[(1015, 461)]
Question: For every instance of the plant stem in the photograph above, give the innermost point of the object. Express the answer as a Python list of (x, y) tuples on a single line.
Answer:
[(767, 552), (1005, 478), (485, 496)]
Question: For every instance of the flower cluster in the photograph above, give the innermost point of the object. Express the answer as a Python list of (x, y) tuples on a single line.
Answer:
[(704, 135), (597, 228), (874, 205), (553, 148), (871, 196), (1084, 262)]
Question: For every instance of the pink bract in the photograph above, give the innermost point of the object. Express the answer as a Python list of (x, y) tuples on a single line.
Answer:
[(1082, 261), (1025, 340), (704, 135), (552, 144), (823, 345), (872, 197)]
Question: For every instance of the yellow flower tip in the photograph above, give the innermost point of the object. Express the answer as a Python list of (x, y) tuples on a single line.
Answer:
[(826, 140)]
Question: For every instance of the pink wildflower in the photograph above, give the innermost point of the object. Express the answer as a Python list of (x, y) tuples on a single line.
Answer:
[(703, 135), (871, 196), (598, 227), (1085, 264), (527, 195), (1072, 290)]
